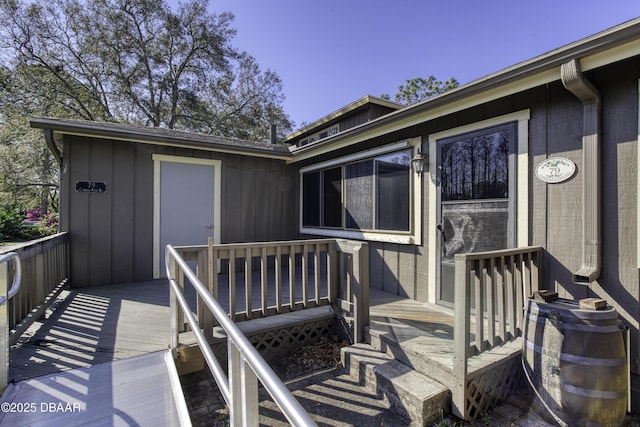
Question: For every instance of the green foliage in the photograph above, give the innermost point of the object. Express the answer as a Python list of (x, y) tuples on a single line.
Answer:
[(28, 172), (11, 225), (485, 417), (419, 89), (16, 225)]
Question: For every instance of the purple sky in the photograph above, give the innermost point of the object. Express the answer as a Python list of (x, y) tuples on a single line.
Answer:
[(330, 53)]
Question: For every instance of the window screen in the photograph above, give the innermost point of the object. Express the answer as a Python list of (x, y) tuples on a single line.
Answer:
[(370, 194), (311, 199), (359, 192), (392, 192)]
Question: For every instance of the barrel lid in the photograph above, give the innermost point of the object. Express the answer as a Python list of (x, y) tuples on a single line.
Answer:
[(571, 309)]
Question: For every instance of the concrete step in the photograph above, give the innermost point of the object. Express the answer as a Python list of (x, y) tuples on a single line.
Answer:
[(414, 397), (429, 356), (493, 375)]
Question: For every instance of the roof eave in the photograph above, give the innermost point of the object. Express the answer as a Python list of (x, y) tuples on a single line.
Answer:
[(95, 130)]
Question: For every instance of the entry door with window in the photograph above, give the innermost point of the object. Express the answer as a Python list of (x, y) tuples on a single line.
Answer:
[(476, 201), (187, 204)]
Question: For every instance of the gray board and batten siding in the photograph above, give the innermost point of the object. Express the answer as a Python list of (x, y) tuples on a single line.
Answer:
[(554, 214), (113, 231)]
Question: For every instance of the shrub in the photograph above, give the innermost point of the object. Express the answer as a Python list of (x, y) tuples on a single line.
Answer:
[(12, 226), (15, 225)]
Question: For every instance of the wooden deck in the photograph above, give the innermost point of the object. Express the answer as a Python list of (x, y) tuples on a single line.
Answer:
[(417, 328), (95, 325)]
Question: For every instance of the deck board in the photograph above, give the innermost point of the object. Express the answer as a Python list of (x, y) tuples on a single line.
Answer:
[(424, 334), (95, 325)]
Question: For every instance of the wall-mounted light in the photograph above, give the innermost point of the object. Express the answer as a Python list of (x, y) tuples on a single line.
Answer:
[(418, 161)]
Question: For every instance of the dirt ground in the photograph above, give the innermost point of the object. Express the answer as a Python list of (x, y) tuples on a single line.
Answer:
[(207, 406)]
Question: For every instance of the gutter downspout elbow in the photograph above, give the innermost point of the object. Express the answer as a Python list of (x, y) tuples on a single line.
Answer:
[(48, 137), (576, 83)]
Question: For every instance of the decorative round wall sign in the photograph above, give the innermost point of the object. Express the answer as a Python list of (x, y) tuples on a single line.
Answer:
[(555, 170)]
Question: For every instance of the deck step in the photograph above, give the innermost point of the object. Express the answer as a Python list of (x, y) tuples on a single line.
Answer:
[(429, 355), (141, 390), (414, 397), (492, 376)]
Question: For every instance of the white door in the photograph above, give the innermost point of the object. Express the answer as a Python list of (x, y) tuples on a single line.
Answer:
[(187, 205)]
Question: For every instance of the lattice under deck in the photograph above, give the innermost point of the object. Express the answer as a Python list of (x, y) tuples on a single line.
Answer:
[(275, 343), (487, 390)]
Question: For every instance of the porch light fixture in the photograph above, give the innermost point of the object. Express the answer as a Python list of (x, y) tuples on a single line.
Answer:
[(418, 161)]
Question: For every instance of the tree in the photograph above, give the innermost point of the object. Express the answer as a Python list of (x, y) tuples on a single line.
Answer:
[(250, 103), (28, 172), (139, 62), (125, 61), (419, 89)]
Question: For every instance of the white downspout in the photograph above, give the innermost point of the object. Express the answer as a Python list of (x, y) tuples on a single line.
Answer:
[(577, 84)]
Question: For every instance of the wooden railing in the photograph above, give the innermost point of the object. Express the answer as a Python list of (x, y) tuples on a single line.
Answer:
[(290, 275), (45, 271), (490, 292)]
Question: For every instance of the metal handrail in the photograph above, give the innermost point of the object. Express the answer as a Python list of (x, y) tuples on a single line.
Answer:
[(15, 286), (4, 313), (239, 393)]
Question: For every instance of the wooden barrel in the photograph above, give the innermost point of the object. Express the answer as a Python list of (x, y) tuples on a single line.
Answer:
[(575, 360)]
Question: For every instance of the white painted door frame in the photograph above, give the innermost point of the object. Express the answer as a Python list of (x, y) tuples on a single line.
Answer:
[(522, 185), (158, 159)]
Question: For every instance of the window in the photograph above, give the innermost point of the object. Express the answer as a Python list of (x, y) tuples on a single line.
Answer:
[(393, 191), (322, 191), (311, 197), (332, 198), (476, 166), (325, 133), (359, 190), (371, 194)]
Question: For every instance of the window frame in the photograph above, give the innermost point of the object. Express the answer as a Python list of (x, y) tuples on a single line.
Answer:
[(411, 236)]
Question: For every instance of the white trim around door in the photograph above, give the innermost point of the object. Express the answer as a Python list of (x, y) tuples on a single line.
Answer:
[(522, 184), (158, 159)]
